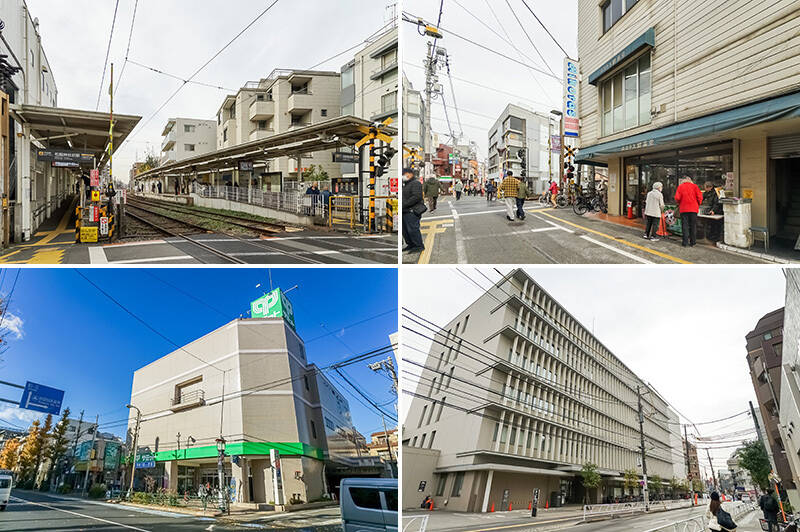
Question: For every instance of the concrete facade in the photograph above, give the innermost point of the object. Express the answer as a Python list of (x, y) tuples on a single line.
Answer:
[(654, 82), (187, 137), (789, 411), (414, 134), (764, 357), (284, 100), (519, 141), (516, 394), (273, 399)]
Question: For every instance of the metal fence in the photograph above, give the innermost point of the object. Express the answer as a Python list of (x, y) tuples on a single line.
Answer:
[(700, 523)]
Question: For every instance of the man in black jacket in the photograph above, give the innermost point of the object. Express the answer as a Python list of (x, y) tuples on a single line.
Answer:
[(413, 208), (770, 507)]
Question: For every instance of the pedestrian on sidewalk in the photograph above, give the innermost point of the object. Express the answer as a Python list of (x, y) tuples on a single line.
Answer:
[(459, 188), (770, 507), (653, 210), (717, 518), (431, 192), (522, 195), (510, 188), (689, 199), (553, 193), (413, 208)]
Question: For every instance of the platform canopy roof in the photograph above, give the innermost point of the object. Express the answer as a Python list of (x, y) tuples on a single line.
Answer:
[(73, 129), (335, 133)]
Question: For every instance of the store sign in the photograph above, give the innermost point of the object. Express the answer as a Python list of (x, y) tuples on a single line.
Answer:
[(111, 455), (393, 184), (67, 156), (95, 195), (273, 305), (571, 95), (277, 477), (145, 461), (555, 143)]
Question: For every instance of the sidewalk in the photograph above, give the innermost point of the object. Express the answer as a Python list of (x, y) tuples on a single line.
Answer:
[(443, 520)]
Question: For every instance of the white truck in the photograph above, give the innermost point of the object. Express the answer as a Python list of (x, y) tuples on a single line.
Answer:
[(6, 483)]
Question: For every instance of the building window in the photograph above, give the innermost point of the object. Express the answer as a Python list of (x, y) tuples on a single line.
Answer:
[(347, 78), (329, 425), (188, 147), (348, 109), (259, 97), (305, 380), (188, 128), (225, 134), (313, 430), (389, 102), (613, 11), (625, 98), (323, 112), (422, 417), (441, 407), (262, 124), (517, 124), (414, 442), (219, 118), (457, 484), (389, 58), (422, 441), (433, 436), (233, 110), (440, 485)]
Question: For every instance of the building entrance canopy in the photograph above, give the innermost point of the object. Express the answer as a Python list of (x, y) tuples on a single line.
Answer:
[(780, 108), (331, 134), (74, 130)]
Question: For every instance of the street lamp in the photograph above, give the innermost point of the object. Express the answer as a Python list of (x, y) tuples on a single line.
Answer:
[(221, 471), (133, 448), (189, 441)]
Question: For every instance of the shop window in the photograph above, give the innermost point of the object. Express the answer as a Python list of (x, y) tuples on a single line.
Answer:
[(457, 484), (625, 98)]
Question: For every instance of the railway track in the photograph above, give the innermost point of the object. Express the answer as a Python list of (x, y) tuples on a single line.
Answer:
[(239, 221), (175, 225)]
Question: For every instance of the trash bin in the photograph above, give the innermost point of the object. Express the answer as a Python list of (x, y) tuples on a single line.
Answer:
[(556, 500)]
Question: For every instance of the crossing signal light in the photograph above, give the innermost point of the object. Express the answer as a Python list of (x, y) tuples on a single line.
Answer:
[(384, 161)]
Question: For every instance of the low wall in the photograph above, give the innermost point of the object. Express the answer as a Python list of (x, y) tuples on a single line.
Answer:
[(227, 205), (183, 200)]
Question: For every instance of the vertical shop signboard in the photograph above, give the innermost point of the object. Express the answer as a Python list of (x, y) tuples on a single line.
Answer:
[(277, 478)]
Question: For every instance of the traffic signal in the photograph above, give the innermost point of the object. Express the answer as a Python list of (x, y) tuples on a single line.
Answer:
[(570, 172), (384, 161)]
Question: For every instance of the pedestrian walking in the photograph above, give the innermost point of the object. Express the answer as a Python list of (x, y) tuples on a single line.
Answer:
[(510, 188), (413, 209), (689, 199), (553, 192), (770, 507), (717, 518), (491, 191), (522, 195), (326, 198), (459, 188), (431, 192), (653, 209)]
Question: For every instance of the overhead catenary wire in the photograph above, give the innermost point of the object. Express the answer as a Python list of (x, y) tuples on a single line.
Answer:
[(173, 76), (108, 52), (545, 28), (530, 40), (128, 49)]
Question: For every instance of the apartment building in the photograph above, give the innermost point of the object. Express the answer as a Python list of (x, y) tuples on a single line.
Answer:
[(789, 406), (251, 381), (764, 360), (370, 91), (187, 137), (706, 89), (516, 394), (283, 101), (519, 142), (414, 134), (380, 444)]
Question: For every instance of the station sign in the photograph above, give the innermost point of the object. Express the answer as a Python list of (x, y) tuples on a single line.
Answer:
[(245, 166), (65, 156), (41, 398), (345, 157), (273, 305), (64, 164), (571, 97)]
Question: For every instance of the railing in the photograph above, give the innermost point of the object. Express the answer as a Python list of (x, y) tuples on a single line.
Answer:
[(421, 522), (629, 508), (295, 202), (188, 400)]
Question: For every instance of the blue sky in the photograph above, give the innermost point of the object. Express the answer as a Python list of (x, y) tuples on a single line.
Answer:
[(66, 334)]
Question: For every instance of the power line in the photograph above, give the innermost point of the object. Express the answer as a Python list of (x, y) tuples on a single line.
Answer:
[(173, 76), (545, 28), (529, 37), (108, 52), (128, 49), (354, 46)]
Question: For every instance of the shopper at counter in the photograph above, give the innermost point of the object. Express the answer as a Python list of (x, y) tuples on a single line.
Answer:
[(689, 199), (653, 210)]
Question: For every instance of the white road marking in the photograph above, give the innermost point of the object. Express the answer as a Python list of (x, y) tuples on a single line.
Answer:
[(616, 250), (80, 515), (97, 255), (543, 229), (133, 244), (153, 259), (554, 224), (461, 252), (529, 209)]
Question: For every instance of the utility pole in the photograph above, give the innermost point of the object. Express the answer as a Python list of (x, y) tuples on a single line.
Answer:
[(711, 465), (387, 365), (77, 435), (388, 446), (755, 422), (431, 66), (644, 454), (688, 463), (133, 448), (89, 458)]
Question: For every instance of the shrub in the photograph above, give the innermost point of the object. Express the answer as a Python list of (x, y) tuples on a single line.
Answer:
[(65, 489), (97, 491)]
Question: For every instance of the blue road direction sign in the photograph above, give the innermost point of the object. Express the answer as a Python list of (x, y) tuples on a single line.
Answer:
[(41, 398)]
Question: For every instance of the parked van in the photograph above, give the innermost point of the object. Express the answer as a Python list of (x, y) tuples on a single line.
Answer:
[(6, 483), (369, 504)]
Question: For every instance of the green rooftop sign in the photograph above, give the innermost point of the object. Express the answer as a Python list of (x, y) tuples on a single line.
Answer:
[(273, 305)]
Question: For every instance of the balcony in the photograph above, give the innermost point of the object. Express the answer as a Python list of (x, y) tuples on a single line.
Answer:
[(262, 110), (169, 141), (187, 400), (258, 134), (300, 102), (379, 73)]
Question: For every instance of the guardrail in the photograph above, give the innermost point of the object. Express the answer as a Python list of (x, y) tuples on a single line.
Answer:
[(591, 511), (700, 523), (422, 523)]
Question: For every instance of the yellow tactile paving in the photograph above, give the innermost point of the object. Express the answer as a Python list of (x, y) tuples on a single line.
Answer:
[(430, 229)]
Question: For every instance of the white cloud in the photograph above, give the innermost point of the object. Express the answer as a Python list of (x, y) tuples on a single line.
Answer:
[(17, 416), (14, 324)]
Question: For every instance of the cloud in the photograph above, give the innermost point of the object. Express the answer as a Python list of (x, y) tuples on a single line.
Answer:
[(17, 416), (14, 324)]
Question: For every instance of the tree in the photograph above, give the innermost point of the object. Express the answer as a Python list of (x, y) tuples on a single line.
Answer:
[(58, 443), (631, 480), (150, 162), (674, 485), (9, 456), (315, 173), (655, 485), (45, 437), (697, 485), (754, 459), (30, 450), (590, 478)]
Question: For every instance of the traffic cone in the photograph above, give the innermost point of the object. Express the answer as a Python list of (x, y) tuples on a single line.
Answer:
[(695, 499), (530, 504), (547, 504), (509, 506), (662, 227), (492, 510)]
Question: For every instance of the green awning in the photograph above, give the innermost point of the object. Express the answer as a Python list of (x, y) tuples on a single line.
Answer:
[(242, 449), (780, 108)]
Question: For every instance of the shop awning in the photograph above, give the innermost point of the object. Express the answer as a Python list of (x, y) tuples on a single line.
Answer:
[(69, 129), (780, 108)]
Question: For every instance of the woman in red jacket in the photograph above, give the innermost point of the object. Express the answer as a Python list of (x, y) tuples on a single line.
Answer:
[(689, 199)]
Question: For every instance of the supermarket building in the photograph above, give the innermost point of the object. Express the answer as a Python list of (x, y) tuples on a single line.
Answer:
[(517, 395), (273, 399), (707, 89)]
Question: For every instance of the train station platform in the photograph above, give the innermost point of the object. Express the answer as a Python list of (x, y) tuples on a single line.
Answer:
[(53, 242)]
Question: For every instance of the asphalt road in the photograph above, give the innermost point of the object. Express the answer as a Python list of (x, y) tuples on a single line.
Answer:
[(473, 231), (29, 511)]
